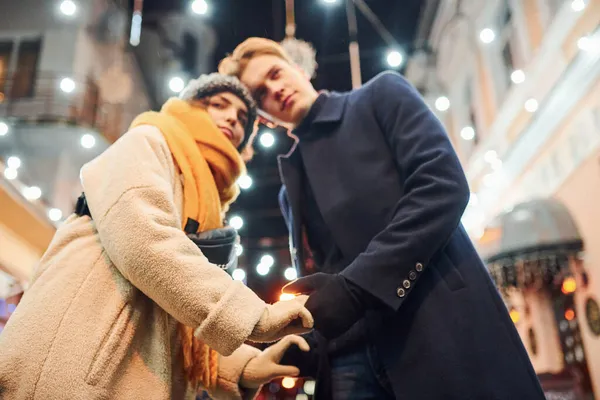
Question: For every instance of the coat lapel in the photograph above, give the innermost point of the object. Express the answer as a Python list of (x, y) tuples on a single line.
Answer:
[(292, 181)]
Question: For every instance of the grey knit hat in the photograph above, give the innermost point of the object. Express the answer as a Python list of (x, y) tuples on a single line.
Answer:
[(210, 84)]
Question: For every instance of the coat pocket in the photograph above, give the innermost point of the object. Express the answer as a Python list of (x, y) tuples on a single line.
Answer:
[(449, 273), (113, 348)]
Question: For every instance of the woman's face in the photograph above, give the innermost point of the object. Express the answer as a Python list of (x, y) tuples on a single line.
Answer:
[(230, 114)]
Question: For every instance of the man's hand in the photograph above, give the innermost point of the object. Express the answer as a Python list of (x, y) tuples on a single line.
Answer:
[(265, 367), (331, 302)]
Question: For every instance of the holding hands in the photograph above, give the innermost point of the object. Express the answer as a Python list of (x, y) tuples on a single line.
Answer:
[(281, 319), (334, 302), (265, 367)]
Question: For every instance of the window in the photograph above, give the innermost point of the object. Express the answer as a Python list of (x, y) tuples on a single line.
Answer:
[(507, 41), (26, 70), (507, 57), (6, 49), (470, 107)]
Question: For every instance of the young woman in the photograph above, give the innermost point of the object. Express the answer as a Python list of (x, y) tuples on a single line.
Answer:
[(123, 304)]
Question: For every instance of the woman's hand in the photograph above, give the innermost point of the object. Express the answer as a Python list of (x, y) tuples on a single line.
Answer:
[(281, 319), (265, 367)]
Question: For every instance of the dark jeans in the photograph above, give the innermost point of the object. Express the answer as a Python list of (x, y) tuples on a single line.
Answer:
[(359, 375)]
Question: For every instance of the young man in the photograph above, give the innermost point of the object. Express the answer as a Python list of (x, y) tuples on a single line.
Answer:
[(375, 187)]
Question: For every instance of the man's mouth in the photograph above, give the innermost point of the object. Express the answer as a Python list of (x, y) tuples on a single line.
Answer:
[(287, 102)]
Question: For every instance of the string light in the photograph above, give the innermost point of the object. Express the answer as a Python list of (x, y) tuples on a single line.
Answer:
[(288, 382)]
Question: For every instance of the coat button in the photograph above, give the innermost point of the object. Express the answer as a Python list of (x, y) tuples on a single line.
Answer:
[(412, 275), (419, 267), (401, 292), (406, 283)]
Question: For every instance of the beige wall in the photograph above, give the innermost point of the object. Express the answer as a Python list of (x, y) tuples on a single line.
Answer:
[(24, 234), (581, 193), (17, 257)]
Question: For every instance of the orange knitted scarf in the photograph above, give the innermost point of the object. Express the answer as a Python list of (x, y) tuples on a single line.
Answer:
[(210, 165)]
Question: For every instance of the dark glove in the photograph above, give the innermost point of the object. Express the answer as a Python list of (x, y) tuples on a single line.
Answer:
[(331, 302), (306, 361)]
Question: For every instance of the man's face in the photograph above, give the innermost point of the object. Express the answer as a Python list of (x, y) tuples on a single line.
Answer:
[(280, 89)]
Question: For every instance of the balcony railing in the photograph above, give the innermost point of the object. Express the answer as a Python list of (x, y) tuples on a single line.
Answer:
[(49, 97)]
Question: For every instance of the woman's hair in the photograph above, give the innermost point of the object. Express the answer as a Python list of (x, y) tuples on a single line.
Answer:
[(236, 62)]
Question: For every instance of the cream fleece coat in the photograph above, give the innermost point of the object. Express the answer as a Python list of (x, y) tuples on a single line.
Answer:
[(100, 318)]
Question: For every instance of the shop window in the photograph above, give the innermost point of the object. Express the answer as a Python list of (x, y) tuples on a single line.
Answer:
[(532, 342), (6, 49), (26, 69)]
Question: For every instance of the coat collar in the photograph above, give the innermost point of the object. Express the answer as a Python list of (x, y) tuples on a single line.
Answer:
[(332, 109)]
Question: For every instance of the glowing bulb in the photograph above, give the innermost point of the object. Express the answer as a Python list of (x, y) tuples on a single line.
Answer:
[(394, 59), (10, 174), (288, 382), (67, 85), (487, 36), (245, 182), (3, 128), (262, 269), (577, 5), (490, 156), (200, 7), (176, 84), (517, 76), (569, 285), (286, 296), (68, 8), (290, 273), (238, 274), (13, 162), (54, 214), (467, 133), (236, 222), (267, 139), (569, 315), (267, 260), (515, 316), (531, 105), (32, 193), (239, 249), (88, 141), (309, 387), (442, 103)]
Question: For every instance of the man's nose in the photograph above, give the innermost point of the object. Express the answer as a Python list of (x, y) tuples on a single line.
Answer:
[(277, 90)]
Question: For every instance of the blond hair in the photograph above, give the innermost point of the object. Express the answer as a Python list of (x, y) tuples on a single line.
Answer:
[(236, 62)]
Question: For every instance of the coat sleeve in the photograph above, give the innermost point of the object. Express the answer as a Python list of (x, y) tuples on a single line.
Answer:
[(435, 193), (230, 372), (130, 193)]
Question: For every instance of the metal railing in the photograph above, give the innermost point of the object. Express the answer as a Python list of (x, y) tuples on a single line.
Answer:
[(36, 97)]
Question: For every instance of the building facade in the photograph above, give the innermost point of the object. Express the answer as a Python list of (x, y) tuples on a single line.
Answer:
[(517, 85)]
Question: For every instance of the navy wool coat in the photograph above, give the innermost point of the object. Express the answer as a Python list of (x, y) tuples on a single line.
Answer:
[(392, 191)]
